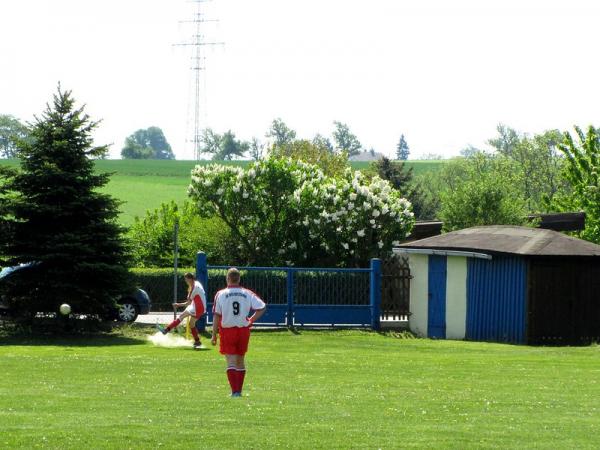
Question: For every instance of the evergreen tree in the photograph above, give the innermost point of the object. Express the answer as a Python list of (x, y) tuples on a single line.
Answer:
[(402, 150), (401, 179), (60, 221)]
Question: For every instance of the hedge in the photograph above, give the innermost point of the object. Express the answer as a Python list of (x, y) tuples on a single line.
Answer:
[(158, 283), (310, 287)]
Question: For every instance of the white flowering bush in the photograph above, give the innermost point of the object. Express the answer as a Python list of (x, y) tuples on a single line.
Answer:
[(286, 212)]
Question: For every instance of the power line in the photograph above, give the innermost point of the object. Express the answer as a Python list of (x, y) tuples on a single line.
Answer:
[(198, 43)]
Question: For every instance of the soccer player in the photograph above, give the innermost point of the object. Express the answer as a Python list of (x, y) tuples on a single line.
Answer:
[(232, 319), (195, 307)]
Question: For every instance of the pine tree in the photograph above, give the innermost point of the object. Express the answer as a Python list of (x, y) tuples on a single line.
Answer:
[(60, 221), (402, 150)]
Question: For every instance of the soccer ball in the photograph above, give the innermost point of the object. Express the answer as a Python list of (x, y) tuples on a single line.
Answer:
[(65, 309)]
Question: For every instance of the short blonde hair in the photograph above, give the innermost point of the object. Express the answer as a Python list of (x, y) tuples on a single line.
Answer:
[(233, 275)]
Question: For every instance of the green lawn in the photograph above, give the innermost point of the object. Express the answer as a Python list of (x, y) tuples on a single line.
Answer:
[(145, 184), (345, 389)]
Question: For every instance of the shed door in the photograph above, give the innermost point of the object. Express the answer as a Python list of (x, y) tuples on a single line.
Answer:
[(436, 322)]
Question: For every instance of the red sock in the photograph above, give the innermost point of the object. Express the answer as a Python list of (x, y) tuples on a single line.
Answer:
[(195, 334), (231, 376), (173, 324), (241, 374)]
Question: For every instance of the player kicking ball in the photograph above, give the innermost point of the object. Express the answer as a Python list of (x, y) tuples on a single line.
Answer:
[(195, 307), (231, 310)]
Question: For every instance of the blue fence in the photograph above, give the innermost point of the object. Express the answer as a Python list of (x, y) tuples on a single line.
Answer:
[(305, 296)]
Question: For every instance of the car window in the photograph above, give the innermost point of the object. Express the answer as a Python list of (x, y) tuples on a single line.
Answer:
[(4, 272)]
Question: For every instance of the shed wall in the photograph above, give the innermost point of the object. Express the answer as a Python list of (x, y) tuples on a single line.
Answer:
[(419, 268), (564, 305), (456, 297), (496, 299)]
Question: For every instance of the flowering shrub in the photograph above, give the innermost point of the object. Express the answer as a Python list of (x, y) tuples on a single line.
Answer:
[(286, 212)]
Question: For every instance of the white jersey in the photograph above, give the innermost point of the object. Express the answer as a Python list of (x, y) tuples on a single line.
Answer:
[(198, 298), (234, 304)]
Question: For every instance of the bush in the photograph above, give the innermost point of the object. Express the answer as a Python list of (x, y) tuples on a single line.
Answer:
[(481, 190), (152, 238), (158, 283), (311, 288), (286, 212)]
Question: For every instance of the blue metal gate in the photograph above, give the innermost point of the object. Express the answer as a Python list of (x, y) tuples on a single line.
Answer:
[(436, 310), (305, 296)]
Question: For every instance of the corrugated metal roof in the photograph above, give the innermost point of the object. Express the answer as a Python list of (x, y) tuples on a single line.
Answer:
[(510, 240)]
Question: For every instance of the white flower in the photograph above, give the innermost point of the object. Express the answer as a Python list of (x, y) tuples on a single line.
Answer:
[(289, 263), (384, 210), (376, 213), (380, 244), (352, 196), (251, 173), (236, 188), (350, 206), (372, 221), (281, 251), (305, 222), (293, 246), (395, 243), (346, 246), (361, 233), (317, 221), (220, 191), (245, 195), (354, 240)]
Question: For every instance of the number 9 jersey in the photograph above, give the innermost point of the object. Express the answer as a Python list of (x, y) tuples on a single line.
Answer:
[(234, 304)]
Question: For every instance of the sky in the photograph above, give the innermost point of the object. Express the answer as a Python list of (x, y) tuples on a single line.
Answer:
[(443, 73)]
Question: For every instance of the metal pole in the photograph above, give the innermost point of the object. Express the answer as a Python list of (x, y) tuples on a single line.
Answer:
[(375, 293), (175, 259)]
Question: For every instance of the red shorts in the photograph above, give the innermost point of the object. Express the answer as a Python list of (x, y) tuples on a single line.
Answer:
[(234, 341)]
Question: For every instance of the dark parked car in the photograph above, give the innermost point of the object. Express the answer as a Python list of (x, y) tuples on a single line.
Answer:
[(130, 305)]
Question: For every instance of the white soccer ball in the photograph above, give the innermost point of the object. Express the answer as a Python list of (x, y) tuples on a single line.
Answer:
[(65, 309)]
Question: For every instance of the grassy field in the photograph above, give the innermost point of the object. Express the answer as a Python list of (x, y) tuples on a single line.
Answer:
[(145, 184), (345, 389)]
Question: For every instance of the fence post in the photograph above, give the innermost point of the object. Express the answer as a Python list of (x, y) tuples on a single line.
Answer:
[(375, 292), (202, 276), (290, 298), (175, 260)]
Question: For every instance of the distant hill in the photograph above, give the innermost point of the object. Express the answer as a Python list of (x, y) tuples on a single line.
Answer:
[(145, 184), (367, 156)]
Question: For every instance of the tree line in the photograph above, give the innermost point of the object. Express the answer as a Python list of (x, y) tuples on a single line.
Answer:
[(151, 143)]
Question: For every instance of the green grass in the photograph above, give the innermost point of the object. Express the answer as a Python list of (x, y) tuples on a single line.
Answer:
[(145, 184), (346, 389)]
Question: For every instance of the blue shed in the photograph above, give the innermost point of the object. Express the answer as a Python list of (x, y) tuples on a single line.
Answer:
[(504, 284)]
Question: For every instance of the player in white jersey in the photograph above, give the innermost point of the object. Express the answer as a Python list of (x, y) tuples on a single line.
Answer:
[(232, 319), (195, 308)]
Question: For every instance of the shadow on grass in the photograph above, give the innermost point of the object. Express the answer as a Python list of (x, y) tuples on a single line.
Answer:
[(69, 340), (110, 335)]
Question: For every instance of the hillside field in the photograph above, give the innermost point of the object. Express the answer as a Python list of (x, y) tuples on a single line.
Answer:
[(145, 184)]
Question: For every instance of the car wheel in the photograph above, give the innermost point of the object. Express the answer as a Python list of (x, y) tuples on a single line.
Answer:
[(127, 312)]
